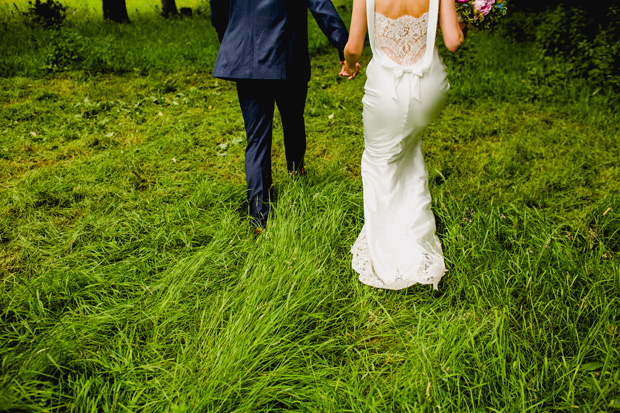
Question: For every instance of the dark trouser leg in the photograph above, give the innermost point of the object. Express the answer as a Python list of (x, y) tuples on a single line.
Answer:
[(291, 100), (257, 105)]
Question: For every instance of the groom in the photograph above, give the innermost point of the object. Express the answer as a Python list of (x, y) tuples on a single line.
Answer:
[(264, 49)]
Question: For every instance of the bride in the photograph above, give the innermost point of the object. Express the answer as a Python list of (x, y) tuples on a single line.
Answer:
[(406, 86)]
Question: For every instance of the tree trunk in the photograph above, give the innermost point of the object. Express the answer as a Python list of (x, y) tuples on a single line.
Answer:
[(169, 8), (115, 11)]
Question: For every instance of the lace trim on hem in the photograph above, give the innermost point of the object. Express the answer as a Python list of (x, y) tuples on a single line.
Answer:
[(430, 271)]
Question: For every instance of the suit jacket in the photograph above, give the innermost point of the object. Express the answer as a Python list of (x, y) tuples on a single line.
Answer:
[(268, 39)]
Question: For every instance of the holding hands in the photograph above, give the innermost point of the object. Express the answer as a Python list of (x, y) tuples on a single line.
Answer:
[(348, 70)]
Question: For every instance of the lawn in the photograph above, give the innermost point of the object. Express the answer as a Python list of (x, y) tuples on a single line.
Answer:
[(131, 280)]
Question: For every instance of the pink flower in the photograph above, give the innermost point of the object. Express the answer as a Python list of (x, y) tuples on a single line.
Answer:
[(462, 1), (483, 6)]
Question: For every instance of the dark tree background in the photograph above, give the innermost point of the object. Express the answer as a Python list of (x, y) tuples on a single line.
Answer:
[(115, 11), (586, 34), (592, 16), (169, 8)]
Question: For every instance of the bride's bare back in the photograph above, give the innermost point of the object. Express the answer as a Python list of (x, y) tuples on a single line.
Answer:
[(397, 8)]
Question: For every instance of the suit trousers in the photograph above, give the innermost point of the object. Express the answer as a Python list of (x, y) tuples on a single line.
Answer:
[(257, 99)]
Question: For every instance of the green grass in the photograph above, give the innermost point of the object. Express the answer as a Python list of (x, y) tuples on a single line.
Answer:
[(85, 7), (130, 279)]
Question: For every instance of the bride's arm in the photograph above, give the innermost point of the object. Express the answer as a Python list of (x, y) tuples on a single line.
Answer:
[(357, 35), (451, 31)]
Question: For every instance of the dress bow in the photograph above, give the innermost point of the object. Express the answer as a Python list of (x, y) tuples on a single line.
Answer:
[(414, 83)]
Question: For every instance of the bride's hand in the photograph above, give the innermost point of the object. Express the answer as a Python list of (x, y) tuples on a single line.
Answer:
[(348, 71)]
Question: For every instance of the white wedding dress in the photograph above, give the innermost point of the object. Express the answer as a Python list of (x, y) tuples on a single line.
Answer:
[(406, 87)]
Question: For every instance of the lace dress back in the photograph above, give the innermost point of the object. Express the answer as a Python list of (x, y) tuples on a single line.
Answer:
[(403, 40)]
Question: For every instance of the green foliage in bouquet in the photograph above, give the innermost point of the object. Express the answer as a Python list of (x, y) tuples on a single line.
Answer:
[(481, 14)]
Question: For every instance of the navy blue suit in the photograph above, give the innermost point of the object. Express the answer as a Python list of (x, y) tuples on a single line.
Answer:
[(264, 49)]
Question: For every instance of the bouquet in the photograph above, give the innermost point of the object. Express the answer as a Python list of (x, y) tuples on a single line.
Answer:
[(481, 14)]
